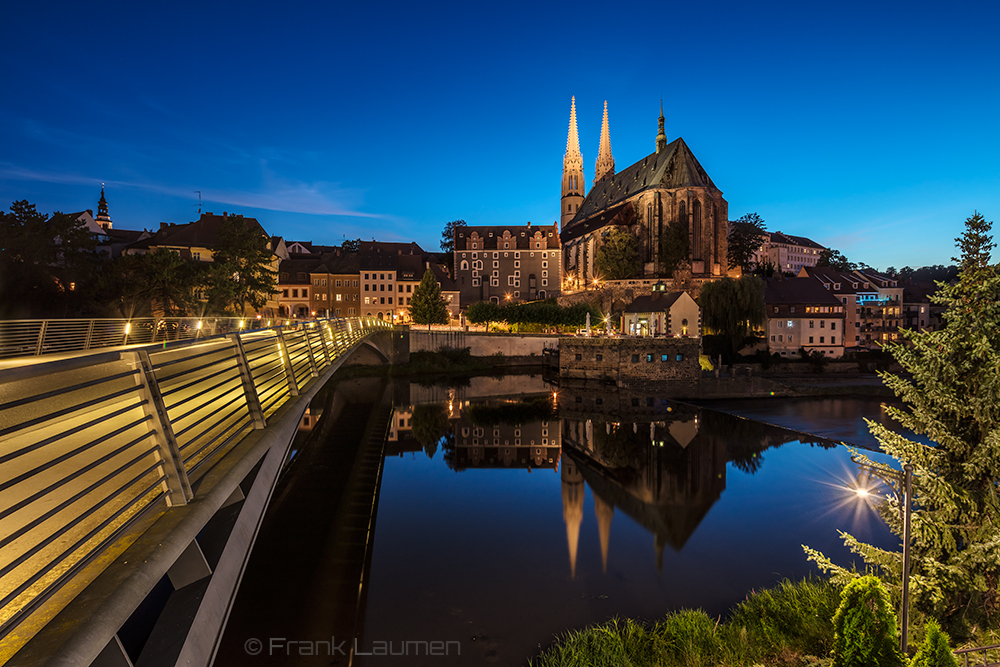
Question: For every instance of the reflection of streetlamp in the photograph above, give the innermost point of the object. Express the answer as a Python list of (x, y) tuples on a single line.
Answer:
[(901, 482)]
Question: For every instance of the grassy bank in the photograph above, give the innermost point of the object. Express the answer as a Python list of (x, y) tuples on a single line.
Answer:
[(789, 625)]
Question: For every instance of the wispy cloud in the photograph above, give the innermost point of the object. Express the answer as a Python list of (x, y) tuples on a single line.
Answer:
[(275, 194)]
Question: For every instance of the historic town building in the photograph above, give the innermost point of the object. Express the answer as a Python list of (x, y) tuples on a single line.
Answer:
[(505, 263), (667, 187)]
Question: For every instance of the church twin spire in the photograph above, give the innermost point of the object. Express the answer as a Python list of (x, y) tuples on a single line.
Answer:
[(605, 166), (572, 181)]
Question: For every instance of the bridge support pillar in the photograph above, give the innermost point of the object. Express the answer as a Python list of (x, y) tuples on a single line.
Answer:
[(189, 567), (113, 655)]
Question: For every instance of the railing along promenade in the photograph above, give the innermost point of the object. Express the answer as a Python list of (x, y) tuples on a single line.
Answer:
[(95, 447)]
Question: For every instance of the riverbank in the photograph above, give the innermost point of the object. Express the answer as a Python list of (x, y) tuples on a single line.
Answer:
[(788, 625)]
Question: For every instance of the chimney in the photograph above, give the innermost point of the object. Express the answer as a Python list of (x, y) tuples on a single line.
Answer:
[(163, 225), (529, 223)]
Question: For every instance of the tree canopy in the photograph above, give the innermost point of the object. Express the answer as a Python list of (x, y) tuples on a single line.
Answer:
[(618, 255), (545, 313), (675, 248), (746, 236), (833, 259), (732, 309), (951, 390), (241, 269), (42, 260), (448, 244), (427, 306)]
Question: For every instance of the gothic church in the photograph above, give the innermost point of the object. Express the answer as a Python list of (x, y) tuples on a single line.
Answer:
[(667, 187)]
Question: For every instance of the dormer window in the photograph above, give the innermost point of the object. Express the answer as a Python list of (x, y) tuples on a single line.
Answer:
[(836, 286)]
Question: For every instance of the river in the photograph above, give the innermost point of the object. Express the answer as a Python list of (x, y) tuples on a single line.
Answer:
[(505, 519)]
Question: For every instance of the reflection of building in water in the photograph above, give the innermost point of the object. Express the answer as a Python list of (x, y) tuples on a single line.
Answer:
[(310, 418), (530, 445), (401, 424), (664, 474), (572, 499)]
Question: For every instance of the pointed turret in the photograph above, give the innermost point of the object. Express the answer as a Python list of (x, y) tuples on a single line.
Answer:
[(605, 166), (605, 513), (661, 136), (573, 181), (103, 218), (572, 499)]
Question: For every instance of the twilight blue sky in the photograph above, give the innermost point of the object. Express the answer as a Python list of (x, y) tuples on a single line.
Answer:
[(871, 127)]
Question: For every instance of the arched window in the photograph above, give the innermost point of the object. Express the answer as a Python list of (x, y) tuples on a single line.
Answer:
[(696, 228), (465, 265), (682, 215)]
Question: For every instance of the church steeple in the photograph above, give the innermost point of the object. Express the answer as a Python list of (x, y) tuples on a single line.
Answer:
[(605, 162), (103, 218), (661, 136), (572, 181)]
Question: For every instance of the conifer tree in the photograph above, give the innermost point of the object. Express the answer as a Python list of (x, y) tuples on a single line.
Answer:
[(952, 396), (864, 627), (935, 651), (427, 305)]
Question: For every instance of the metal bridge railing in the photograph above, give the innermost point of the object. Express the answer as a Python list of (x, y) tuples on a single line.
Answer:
[(21, 338), (94, 448)]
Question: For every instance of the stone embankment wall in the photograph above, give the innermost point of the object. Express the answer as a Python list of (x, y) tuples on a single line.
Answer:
[(630, 361), (483, 344)]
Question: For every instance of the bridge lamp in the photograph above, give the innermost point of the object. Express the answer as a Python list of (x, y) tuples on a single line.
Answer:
[(901, 482)]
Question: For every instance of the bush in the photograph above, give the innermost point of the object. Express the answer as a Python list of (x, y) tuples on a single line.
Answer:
[(865, 627), (935, 651)]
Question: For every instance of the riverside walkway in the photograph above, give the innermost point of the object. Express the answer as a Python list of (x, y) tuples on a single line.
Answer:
[(126, 470)]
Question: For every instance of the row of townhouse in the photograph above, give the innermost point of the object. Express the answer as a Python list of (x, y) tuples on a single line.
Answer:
[(873, 302), (377, 280), (828, 311)]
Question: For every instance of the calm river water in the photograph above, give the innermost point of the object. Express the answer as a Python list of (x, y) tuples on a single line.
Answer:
[(504, 520)]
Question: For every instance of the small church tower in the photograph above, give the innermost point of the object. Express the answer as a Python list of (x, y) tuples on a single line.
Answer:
[(605, 166), (572, 181), (103, 218), (661, 136)]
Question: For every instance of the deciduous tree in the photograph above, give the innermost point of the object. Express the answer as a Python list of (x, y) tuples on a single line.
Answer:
[(732, 309), (618, 255), (835, 260), (448, 243), (241, 270), (746, 236), (675, 248)]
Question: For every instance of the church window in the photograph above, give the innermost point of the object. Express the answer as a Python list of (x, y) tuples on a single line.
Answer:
[(465, 265), (496, 264), (517, 263)]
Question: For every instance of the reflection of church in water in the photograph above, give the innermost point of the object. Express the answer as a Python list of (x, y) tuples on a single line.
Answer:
[(663, 473)]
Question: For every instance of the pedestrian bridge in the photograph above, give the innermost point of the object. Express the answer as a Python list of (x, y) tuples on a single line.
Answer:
[(124, 467)]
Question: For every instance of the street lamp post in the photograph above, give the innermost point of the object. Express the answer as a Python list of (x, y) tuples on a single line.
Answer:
[(900, 481)]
